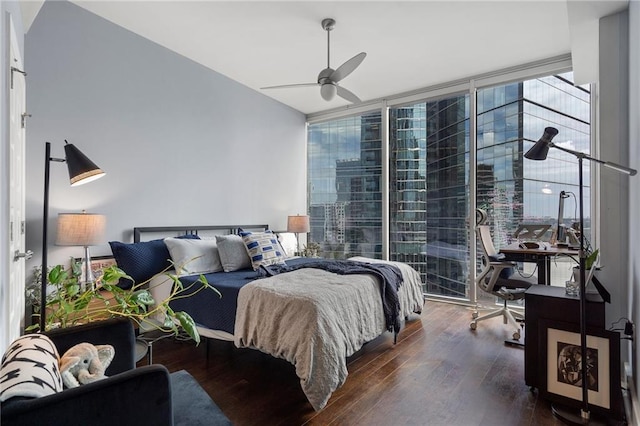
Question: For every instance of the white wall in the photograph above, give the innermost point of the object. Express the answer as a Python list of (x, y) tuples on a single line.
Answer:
[(8, 10), (181, 144), (633, 299)]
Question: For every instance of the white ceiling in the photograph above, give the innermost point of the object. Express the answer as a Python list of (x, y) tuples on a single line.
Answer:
[(410, 45)]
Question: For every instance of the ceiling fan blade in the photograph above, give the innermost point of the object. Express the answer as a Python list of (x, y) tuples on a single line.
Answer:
[(348, 95), (347, 68), (282, 86)]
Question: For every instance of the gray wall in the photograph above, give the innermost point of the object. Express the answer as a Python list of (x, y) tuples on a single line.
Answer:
[(613, 129), (620, 142), (181, 144)]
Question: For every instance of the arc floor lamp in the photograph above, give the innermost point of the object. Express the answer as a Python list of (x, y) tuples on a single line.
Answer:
[(81, 171), (539, 151)]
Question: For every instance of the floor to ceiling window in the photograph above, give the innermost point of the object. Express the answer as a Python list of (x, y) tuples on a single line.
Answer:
[(428, 191), (514, 190), (345, 192), (429, 174)]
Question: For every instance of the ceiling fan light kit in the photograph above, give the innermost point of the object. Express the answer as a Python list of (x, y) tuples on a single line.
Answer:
[(328, 78)]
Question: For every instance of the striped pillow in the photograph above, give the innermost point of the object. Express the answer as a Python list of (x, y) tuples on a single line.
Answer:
[(30, 368), (263, 248)]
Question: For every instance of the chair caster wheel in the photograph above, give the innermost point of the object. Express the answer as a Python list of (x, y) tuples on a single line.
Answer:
[(516, 335), (474, 315), (473, 325)]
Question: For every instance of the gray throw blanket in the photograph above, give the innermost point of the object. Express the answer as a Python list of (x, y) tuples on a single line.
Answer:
[(389, 275)]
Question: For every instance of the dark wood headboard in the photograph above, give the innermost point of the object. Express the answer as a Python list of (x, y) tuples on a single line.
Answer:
[(181, 230)]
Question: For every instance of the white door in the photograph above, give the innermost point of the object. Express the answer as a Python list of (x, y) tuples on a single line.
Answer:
[(17, 121)]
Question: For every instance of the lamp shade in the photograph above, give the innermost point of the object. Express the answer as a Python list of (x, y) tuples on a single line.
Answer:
[(298, 224), (80, 229), (540, 150), (81, 169)]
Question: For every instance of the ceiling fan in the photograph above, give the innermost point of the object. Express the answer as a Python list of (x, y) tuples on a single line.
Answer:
[(328, 78)]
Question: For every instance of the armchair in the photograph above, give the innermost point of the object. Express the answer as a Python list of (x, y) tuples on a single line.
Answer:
[(497, 279), (128, 396)]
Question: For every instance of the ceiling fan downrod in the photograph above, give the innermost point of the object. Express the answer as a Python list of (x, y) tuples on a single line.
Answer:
[(328, 24)]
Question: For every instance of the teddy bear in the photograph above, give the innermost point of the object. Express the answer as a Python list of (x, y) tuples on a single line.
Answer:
[(85, 363)]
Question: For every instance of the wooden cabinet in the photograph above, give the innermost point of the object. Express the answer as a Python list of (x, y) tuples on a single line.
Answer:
[(543, 302)]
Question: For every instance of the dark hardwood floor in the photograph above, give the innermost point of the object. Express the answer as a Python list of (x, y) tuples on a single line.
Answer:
[(439, 373)]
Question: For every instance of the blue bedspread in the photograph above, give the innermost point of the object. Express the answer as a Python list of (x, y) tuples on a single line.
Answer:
[(207, 308)]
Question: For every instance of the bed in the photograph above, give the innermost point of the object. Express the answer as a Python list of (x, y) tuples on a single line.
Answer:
[(309, 316)]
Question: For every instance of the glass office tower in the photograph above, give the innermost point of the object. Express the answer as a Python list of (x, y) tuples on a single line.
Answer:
[(429, 172), (429, 146), (345, 192)]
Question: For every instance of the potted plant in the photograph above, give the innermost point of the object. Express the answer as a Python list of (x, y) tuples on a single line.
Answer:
[(589, 262), (69, 304), (312, 249)]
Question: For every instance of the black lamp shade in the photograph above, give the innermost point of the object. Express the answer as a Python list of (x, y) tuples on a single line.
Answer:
[(540, 150), (81, 169)]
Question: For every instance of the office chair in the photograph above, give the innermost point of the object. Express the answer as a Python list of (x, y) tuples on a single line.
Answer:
[(497, 278)]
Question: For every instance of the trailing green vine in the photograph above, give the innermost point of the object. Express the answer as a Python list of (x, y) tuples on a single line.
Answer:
[(70, 304)]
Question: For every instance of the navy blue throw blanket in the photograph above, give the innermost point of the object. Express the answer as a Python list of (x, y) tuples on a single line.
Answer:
[(390, 281)]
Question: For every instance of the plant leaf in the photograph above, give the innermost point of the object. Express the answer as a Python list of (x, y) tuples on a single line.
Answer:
[(56, 274), (143, 297), (112, 274), (189, 325)]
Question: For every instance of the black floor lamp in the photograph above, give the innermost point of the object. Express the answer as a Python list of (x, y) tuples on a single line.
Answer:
[(539, 152), (81, 171)]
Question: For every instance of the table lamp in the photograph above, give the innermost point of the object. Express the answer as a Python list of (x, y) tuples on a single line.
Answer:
[(81, 171), (298, 224), (82, 229)]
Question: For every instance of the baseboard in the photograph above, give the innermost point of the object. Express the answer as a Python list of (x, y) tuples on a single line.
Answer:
[(630, 396)]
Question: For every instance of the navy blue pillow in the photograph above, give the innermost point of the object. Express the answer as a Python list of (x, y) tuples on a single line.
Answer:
[(143, 260)]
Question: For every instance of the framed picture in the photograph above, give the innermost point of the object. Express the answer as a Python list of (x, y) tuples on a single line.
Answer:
[(561, 357), (98, 264)]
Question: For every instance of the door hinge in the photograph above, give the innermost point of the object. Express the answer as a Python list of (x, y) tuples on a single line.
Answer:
[(23, 122), (14, 69), (11, 232), (22, 227)]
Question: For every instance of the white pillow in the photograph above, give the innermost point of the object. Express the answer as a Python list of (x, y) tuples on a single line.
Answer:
[(194, 256), (233, 253), (30, 368), (288, 243)]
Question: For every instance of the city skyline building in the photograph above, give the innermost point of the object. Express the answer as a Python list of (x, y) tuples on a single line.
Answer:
[(429, 172)]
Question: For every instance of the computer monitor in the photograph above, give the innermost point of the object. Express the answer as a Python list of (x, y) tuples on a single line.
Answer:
[(561, 229)]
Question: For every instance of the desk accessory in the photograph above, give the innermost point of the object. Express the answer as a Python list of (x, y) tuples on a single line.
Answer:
[(539, 151)]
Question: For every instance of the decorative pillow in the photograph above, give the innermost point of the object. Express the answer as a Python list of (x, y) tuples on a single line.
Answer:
[(263, 248), (233, 253), (288, 243), (143, 260), (194, 256), (30, 368)]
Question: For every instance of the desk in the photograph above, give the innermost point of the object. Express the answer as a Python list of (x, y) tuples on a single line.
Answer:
[(541, 256)]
